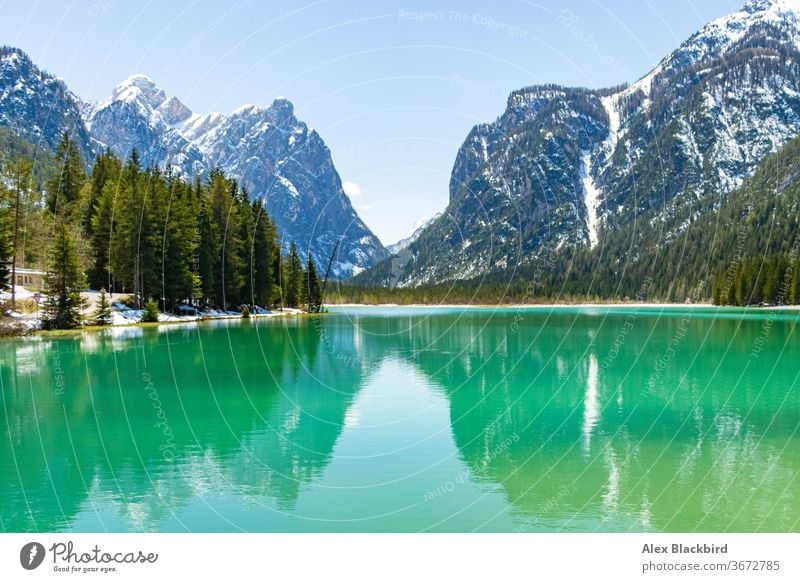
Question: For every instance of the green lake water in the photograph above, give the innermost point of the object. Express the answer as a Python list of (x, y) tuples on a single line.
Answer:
[(409, 419)]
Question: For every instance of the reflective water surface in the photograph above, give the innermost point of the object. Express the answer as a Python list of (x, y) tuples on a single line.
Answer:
[(409, 419)]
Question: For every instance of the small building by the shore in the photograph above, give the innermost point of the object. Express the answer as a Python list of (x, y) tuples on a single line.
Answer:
[(30, 279)]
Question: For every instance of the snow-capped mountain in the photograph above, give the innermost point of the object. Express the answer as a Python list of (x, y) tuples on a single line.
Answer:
[(272, 154), (566, 169), (139, 116), (404, 243), (36, 105)]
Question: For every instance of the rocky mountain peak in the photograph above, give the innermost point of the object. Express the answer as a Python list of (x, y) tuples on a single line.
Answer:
[(139, 88), (174, 111), (282, 112)]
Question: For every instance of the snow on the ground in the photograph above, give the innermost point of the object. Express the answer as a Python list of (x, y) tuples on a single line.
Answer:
[(121, 316), (21, 293)]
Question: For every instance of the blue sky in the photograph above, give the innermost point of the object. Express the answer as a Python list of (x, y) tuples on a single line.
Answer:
[(392, 87)]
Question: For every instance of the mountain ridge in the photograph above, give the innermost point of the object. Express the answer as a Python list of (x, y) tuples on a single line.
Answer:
[(272, 154), (563, 169)]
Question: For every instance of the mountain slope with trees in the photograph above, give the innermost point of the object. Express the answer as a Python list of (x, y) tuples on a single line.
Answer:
[(618, 173), (744, 251), (272, 154)]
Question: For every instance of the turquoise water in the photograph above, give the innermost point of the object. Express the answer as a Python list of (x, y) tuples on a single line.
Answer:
[(409, 419)]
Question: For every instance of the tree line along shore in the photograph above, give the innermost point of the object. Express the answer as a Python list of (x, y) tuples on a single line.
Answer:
[(165, 242)]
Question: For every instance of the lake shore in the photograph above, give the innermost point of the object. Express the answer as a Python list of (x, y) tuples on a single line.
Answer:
[(32, 328), (617, 305)]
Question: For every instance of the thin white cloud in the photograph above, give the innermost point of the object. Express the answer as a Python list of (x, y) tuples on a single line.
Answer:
[(351, 189)]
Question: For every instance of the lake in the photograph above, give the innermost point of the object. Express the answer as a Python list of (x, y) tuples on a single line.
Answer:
[(407, 420)]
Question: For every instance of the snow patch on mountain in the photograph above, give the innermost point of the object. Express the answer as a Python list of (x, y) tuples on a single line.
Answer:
[(611, 106), (591, 197)]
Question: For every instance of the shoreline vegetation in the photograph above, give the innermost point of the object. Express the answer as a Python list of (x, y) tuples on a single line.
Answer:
[(119, 228), (516, 294)]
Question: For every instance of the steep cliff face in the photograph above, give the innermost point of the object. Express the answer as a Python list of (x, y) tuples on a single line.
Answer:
[(276, 156)]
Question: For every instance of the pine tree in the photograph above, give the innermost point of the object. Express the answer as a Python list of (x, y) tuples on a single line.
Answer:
[(151, 230), (98, 220), (312, 292), (106, 170), (278, 275), (178, 248), (128, 236), (150, 314), (247, 227), (102, 313), (64, 187), (225, 212), (6, 246), (209, 251), (264, 249), (63, 285), (102, 233), (294, 278)]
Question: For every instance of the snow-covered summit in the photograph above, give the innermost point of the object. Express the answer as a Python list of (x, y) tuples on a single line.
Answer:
[(138, 87)]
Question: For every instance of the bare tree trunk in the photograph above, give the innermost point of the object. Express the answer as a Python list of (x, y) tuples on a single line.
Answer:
[(16, 235)]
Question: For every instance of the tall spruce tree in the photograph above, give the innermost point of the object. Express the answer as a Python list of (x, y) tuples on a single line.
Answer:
[(225, 211), (150, 235), (312, 291), (64, 282), (125, 257), (210, 249), (179, 245), (247, 227), (106, 169), (64, 186), (6, 244), (101, 238), (294, 278), (19, 173), (264, 250)]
